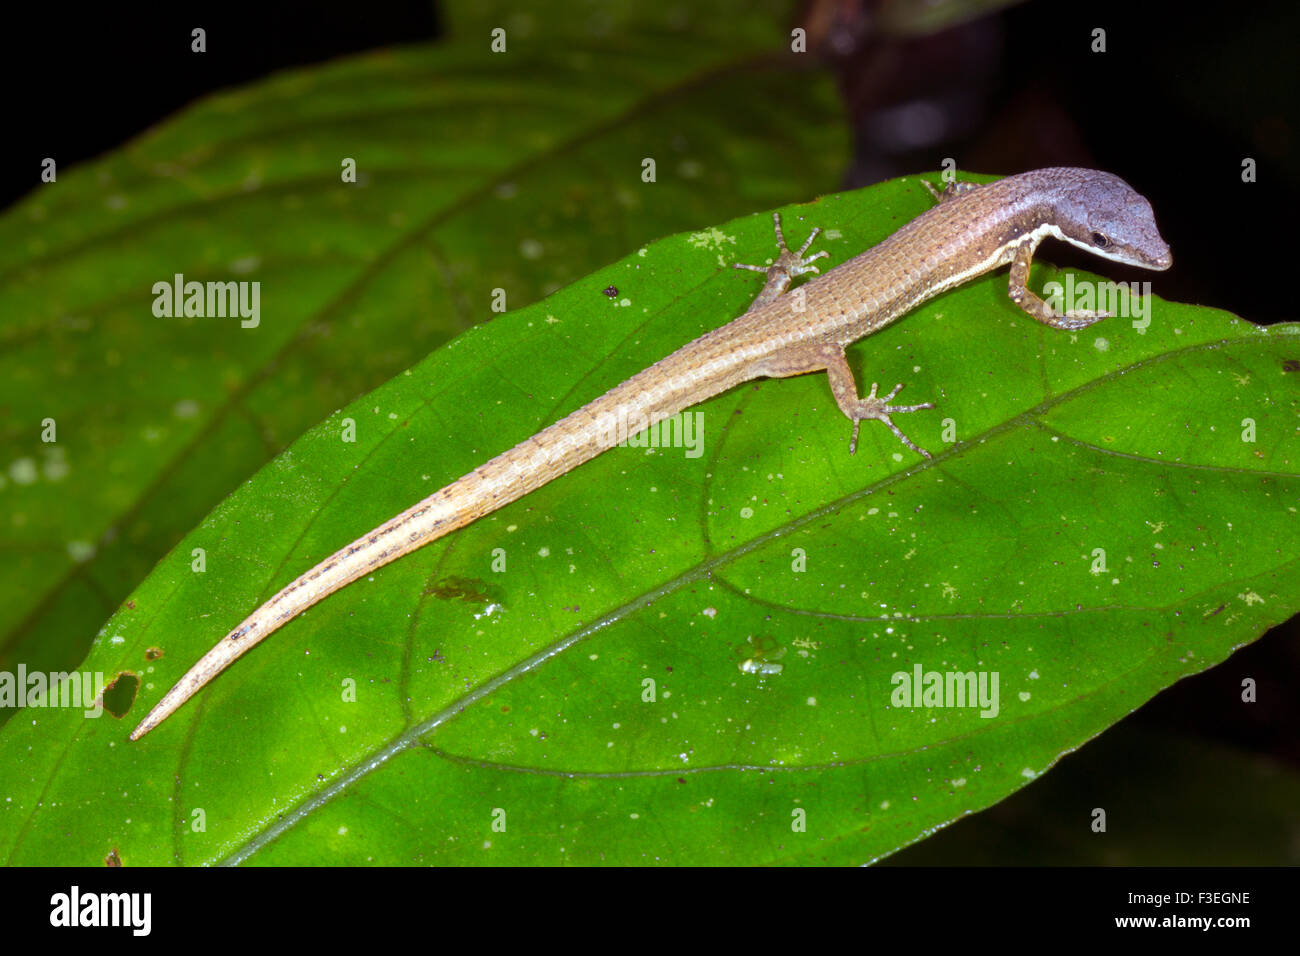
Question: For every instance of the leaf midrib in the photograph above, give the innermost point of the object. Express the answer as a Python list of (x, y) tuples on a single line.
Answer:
[(412, 735)]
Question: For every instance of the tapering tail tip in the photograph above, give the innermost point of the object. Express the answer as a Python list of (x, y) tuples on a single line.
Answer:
[(208, 666), (161, 711)]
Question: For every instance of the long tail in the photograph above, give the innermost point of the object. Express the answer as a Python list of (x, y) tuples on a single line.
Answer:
[(653, 395)]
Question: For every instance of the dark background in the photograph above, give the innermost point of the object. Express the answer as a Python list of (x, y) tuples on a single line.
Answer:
[(1182, 95)]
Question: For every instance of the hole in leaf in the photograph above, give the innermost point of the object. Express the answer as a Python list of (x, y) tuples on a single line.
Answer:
[(120, 694)]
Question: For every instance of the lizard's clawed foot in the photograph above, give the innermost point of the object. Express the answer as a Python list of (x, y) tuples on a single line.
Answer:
[(788, 264), (951, 189), (878, 407), (1082, 318)]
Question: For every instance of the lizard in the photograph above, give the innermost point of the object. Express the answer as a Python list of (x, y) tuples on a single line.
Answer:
[(971, 230)]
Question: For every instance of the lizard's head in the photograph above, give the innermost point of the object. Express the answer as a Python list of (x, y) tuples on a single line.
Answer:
[(1103, 214)]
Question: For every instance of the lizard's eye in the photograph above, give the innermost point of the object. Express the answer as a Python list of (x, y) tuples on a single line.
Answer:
[(1099, 240)]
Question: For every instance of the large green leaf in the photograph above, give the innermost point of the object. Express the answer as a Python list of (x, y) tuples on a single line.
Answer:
[(476, 171), (524, 691)]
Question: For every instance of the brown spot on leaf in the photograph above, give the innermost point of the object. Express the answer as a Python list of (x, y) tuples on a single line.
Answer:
[(153, 653), (112, 859), (469, 590)]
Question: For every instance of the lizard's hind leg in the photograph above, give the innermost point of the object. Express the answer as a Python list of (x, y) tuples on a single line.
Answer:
[(814, 358)]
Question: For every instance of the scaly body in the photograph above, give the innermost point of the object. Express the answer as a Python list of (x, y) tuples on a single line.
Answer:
[(972, 230)]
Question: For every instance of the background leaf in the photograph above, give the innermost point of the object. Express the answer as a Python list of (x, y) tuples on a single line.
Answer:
[(522, 692), (519, 172)]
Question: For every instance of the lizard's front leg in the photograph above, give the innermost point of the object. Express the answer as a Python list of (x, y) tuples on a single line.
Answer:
[(1035, 306), (787, 266), (814, 358), (952, 190)]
